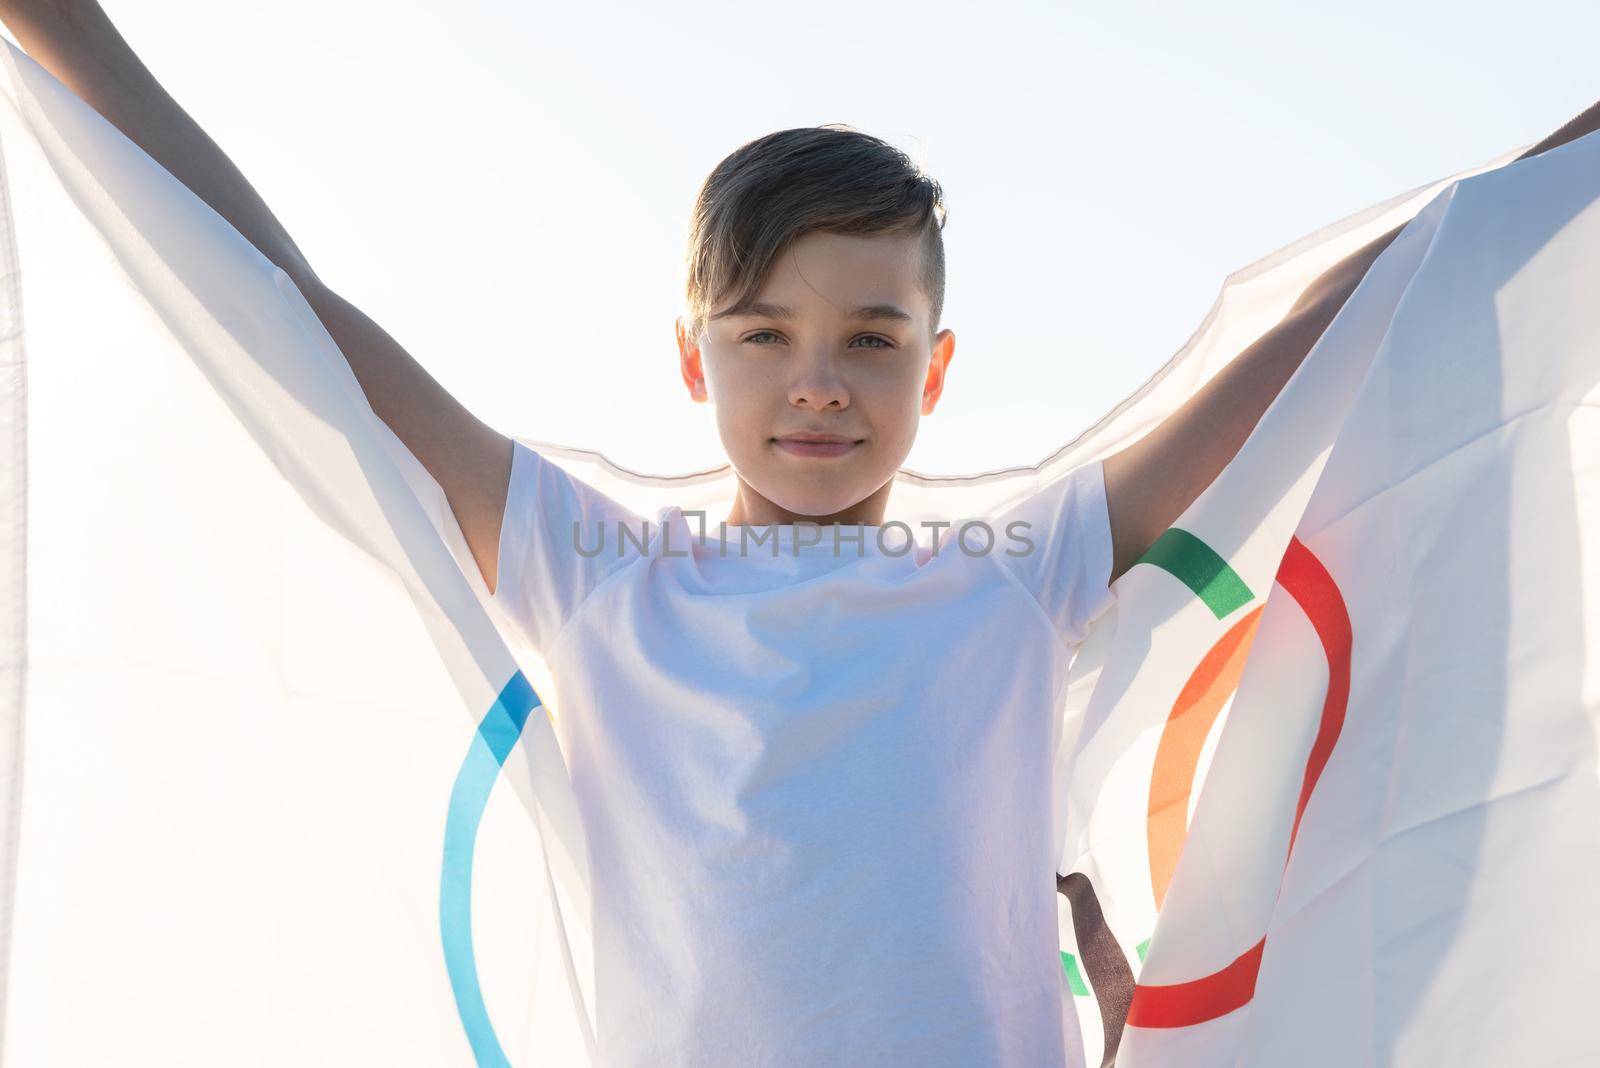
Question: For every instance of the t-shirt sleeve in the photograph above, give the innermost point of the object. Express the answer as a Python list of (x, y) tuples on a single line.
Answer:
[(1067, 569), (542, 576)]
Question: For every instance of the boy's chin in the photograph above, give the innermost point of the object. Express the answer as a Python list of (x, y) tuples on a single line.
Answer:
[(807, 503)]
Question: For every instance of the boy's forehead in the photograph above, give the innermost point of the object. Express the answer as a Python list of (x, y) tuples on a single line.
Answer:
[(855, 258), (845, 274)]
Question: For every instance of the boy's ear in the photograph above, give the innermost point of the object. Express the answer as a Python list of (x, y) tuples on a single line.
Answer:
[(689, 364), (944, 349)]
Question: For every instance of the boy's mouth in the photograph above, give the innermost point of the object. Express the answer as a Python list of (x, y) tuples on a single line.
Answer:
[(807, 443)]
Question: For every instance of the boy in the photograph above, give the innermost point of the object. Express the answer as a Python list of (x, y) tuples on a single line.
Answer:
[(775, 741)]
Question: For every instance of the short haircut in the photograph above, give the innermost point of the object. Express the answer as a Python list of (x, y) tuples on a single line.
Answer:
[(769, 192)]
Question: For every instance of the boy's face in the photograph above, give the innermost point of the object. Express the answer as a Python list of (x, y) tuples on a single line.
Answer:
[(808, 363)]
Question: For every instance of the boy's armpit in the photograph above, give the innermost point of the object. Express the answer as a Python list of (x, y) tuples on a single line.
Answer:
[(542, 577)]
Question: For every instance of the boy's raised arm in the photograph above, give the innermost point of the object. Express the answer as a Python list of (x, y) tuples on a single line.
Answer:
[(1152, 482), (75, 41)]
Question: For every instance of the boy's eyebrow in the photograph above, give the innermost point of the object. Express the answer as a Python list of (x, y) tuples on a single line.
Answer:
[(782, 311)]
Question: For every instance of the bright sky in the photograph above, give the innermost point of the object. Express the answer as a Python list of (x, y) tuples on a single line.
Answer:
[(506, 187)]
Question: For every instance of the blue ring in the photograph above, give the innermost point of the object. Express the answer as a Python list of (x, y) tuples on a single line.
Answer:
[(491, 744)]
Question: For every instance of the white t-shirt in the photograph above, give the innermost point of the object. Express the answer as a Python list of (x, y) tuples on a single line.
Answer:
[(816, 783)]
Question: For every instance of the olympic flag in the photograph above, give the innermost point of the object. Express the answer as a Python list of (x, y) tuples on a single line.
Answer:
[(278, 787)]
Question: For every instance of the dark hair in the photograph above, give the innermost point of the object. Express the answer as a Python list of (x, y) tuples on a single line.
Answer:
[(769, 192)]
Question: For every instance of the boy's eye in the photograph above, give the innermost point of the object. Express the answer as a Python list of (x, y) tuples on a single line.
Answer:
[(882, 343)]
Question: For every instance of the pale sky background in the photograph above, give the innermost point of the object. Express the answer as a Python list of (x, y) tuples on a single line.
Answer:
[(506, 187)]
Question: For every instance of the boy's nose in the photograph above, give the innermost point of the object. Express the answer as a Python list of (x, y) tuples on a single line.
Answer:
[(819, 394), (819, 385)]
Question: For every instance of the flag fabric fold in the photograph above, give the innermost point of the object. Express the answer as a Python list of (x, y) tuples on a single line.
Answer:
[(282, 785)]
